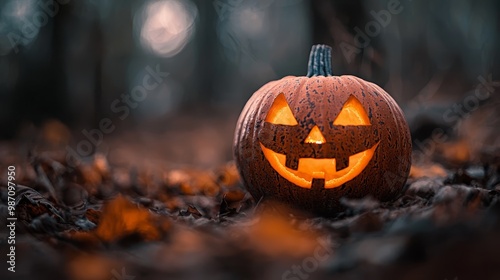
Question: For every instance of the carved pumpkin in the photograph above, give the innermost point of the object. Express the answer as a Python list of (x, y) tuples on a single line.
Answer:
[(308, 141)]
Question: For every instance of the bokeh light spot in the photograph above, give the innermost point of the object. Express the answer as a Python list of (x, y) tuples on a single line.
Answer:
[(167, 26)]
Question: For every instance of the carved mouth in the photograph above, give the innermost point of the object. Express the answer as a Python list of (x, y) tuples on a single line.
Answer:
[(319, 168)]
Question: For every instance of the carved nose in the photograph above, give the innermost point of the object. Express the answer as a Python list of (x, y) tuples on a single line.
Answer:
[(315, 136)]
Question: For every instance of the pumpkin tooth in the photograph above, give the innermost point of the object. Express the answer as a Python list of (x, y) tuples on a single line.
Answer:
[(318, 184), (341, 163), (292, 162)]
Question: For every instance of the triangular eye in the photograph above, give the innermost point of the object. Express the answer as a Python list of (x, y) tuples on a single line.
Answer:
[(352, 113), (280, 112)]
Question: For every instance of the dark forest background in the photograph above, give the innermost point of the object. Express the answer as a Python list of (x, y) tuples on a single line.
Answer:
[(69, 60)]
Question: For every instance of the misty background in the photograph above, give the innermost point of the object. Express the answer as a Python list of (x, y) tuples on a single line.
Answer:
[(65, 65)]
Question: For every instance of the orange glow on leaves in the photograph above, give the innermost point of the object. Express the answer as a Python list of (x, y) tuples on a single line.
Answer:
[(429, 170), (120, 218), (273, 233)]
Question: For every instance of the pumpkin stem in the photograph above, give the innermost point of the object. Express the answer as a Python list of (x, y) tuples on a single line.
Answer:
[(320, 61)]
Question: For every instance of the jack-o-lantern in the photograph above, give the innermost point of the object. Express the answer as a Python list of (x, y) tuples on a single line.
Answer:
[(308, 141)]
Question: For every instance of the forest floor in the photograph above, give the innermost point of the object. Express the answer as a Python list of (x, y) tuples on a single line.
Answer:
[(122, 216)]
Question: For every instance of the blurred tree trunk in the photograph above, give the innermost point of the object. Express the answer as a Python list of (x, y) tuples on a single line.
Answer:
[(40, 90)]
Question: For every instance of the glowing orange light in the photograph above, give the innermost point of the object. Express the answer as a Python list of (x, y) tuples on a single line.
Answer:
[(352, 114), (280, 112), (315, 136)]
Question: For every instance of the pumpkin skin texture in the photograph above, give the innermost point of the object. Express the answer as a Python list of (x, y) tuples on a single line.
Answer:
[(309, 141)]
